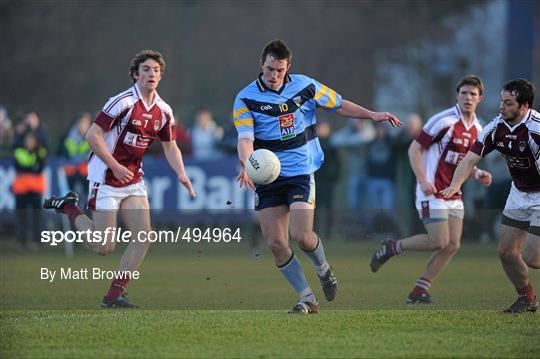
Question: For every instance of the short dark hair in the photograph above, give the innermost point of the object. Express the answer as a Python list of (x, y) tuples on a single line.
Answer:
[(142, 57), (522, 89), (278, 50), (471, 80), (202, 109)]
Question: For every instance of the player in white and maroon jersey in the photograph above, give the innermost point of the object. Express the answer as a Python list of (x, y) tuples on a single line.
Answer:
[(119, 137), (515, 133), (434, 155)]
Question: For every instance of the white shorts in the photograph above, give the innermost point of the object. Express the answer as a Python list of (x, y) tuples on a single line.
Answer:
[(437, 209), (523, 206), (107, 198)]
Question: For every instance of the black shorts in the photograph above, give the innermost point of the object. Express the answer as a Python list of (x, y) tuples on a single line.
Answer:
[(284, 191)]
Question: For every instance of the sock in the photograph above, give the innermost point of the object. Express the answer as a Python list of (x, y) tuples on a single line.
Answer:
[(308, 296), (117, 288), (292, 271), (527, 292), (421, 286), (394, 246), (72, 211), (318, 258)]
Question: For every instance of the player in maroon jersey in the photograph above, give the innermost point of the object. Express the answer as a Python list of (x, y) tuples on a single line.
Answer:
[(119, 137), (515, 133), (434, 155)]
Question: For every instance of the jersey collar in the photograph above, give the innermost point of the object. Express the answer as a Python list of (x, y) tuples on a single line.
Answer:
[(139, 96), (458, 113), (523, 120), (262, 87)]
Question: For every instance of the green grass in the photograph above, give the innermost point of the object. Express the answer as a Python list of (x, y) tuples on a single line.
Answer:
[(202, 301)]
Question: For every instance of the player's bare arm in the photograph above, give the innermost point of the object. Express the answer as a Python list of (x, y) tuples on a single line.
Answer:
[(463, 171), (174, 157), (245, 148), (350, 109), (95, 138), (417, 165)]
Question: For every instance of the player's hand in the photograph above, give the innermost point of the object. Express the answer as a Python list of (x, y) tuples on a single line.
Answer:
[(244, 179), (450, 191), (184, 179), (484, 177), (122, 174), (385, 116), (428, 188)]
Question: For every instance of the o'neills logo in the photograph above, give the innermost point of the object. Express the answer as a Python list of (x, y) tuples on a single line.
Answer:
[(254, 163)]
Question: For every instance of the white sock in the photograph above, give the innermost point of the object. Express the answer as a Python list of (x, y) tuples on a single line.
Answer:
[(321, 270), (308, 296)]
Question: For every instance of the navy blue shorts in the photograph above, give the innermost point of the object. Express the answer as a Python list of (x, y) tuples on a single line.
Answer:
[(284, 191)]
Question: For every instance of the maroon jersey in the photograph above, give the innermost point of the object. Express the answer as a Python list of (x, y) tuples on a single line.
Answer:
[(130, 128), (520, 145), (445, 138)]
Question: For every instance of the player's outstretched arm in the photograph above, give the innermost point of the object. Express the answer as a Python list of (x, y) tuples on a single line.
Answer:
[(245, 148), (96, 140), (174, 157), (350, 109), (463, 172)]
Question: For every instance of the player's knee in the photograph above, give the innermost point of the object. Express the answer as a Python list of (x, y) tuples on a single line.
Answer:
[(452, 247), (508, 253), (276, 246), (438, 243), (302, 238)]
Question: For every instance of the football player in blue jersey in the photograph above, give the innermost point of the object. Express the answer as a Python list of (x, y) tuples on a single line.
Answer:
[(277, 112)]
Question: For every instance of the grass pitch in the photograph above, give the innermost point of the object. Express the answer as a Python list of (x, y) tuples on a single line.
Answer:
[(225, 302)]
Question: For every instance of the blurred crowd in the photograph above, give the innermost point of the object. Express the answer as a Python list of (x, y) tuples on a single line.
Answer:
[(366, 170)]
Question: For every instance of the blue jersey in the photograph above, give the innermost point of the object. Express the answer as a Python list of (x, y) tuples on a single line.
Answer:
[(284, 121)]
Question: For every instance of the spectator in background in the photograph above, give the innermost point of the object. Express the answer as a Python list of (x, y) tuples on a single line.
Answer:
[(205, 135), (381, 169), (75, 149), (6, 130), (326, 178), (352, 140), (29, 185), (405, 180), (230, 137), (495, 196), (183, 139), (31, 122), (380, 187)]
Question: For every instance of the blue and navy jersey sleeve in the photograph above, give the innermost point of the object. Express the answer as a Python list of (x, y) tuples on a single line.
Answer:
[(325, 97), (243, 120)]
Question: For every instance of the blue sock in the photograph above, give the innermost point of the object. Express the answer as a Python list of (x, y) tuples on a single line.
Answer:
[(318, 258), (292, 270)]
